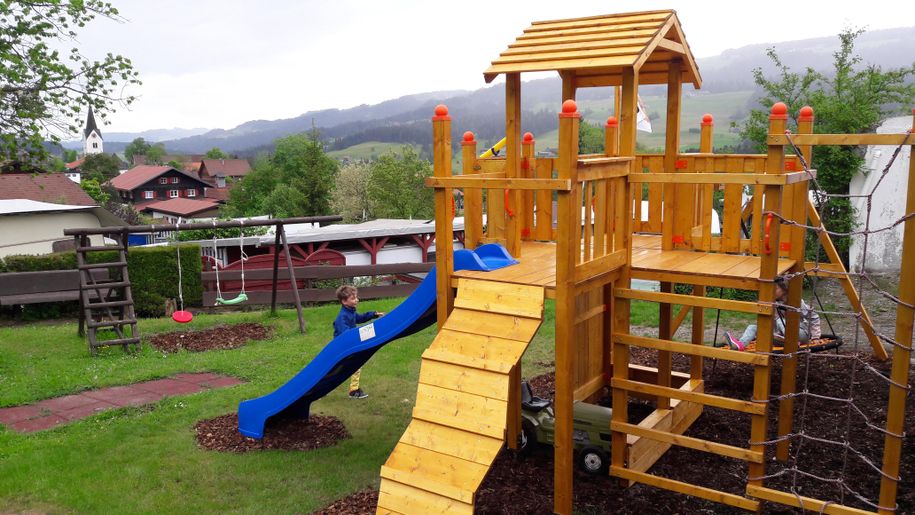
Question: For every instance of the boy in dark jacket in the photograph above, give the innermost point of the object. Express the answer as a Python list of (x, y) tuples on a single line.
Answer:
[(346, 320)]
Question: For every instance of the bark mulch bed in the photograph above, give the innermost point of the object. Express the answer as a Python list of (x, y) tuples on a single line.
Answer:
[(364, 501), (524, 484), (221, 434), (216, 338)]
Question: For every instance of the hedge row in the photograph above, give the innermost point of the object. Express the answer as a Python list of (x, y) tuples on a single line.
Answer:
[(153, 273)]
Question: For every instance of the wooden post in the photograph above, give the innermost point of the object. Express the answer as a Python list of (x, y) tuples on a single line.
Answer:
[(628, 105), (902, 354), (444, 230), (795, 208), (276, 267), (706, 137), (611, 149), (568, 249), (292, 280), (473, 197), (81, 331), (775, 164), (513, 161), (526, 219), (674, 225)]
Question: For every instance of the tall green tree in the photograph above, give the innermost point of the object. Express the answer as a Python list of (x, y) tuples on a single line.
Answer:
[(94, 190), (295, 181), (70, 155), (216, 153), (350, 197), (397, 186), (100, 167), (852, 98), (137, 147), (302, 164), (590, 138), (155, 153), (45, 92)]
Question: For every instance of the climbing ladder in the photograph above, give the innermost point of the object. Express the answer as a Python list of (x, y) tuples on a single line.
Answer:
[(107, 303), (462, 400)]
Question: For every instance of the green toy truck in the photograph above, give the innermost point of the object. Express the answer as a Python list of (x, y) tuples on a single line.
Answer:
[(591, 430)]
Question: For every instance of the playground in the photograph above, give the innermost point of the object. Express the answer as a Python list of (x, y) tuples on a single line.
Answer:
[(543, 290)]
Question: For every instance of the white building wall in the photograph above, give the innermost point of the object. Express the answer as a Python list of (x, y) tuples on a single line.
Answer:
[(884, 249), (35, 233), (93, 144)]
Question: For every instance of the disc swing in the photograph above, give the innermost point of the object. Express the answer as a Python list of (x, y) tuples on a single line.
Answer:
[(242, 296), (181, 316)]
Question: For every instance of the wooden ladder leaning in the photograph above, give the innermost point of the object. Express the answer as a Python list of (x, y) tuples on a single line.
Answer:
[(106, 300)]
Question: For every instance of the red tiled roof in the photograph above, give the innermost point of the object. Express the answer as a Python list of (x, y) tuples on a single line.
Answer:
[(76, 164), (140, 175), (216, 193), (226, 167), (47, 187), (180, 206)]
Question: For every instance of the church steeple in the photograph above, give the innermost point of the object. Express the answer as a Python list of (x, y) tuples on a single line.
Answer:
[(92, 136)]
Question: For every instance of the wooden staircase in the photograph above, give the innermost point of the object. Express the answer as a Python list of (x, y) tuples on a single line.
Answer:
[(106, 303), (462, 401)]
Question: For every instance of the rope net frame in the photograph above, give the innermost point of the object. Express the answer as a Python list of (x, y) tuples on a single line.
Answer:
[(826, 458)]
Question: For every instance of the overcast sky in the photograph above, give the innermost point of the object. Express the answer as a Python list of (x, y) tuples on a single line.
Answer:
[(216, 64)]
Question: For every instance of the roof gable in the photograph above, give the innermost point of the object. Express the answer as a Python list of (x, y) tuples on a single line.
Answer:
[(600, 47), (181, 206), (140, 175), (225, 167)]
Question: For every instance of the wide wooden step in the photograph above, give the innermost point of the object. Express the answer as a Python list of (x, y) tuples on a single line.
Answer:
[(394, 497), (434, 472)]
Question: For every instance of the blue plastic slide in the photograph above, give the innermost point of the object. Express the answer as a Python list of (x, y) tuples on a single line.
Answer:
[(346, 353)]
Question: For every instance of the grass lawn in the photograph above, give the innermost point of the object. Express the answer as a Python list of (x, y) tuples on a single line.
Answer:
[(146, 460)]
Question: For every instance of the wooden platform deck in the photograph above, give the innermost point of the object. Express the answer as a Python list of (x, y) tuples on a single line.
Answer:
[(537, 266)]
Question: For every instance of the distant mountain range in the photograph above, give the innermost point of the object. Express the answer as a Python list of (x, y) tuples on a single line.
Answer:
[(406, 119)]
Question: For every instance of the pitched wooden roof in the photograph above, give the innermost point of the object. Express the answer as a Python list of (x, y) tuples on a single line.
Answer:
[(596, 49)]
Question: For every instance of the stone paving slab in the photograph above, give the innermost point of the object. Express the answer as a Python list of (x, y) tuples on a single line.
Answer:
[(51, 413)]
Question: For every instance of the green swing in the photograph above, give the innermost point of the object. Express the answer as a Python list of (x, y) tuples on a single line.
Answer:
[(242, 296)]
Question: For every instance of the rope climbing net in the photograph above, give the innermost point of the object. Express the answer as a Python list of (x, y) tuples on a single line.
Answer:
[(846, 459)]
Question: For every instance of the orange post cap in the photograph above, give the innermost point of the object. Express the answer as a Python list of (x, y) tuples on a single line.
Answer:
[(528, 138), (612, 122)]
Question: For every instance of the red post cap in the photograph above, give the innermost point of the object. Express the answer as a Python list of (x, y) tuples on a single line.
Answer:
[(612, 122), (528, 138), (441, 113), (468, 139), (779, 111), (707, 119), (569, 109), (806, 114)]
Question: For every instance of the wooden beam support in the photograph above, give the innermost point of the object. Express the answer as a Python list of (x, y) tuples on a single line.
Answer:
[(497, 183), (842, 139), (690, 396), (689, 349), (696, 301)]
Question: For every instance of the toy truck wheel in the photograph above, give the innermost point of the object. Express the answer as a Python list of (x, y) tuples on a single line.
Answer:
[(527, 440), (593, 460)]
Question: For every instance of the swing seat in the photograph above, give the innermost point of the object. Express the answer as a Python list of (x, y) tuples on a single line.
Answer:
[(182, 317), (231, 302), (823, 343)]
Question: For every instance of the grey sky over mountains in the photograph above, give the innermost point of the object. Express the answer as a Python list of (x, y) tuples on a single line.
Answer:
[(216, 64)]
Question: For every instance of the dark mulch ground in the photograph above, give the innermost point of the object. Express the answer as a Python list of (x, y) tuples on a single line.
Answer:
[(355, 504), (525, 485), (221, 434), (220, 337)]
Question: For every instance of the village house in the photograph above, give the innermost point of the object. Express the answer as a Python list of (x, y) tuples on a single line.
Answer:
[(174, 209), (221, 172), (144, 184)]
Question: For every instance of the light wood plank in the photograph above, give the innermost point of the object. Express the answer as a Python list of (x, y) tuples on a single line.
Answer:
[(492, 324), (456, 358), (686, 488), (498, 183), (689, 442), (453, 442), (805, 503), (507, 299), (692, 300), (467, 411), (434, 472), (394, 497), (463, 379), (692, 350), (691, 396)]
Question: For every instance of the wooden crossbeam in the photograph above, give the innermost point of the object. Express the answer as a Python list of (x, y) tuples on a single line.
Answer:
[(689, 442), (694, 301), (686, 488), (805, 503), (495, 183), (691, 349), (691, 396)]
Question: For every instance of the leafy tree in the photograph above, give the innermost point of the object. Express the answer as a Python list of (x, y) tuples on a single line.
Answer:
[(100, 167), (590, 139), (155, 153), (177, 165), (94, 190), (70, 155), (286, 201), (216, 153), (137, 147), (302, 164), (397, 186), (43, 91), (350, 197), (247, 197), (853, 98)]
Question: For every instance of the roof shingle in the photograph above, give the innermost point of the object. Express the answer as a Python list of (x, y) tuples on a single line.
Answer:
[(49, 187)]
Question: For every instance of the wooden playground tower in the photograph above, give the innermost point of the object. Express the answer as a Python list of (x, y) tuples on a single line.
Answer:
[(599, 242)]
